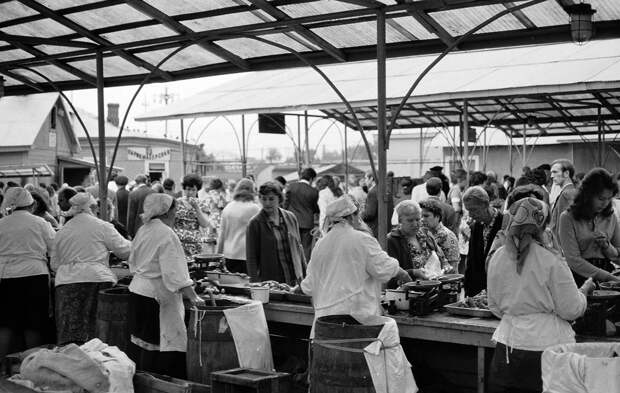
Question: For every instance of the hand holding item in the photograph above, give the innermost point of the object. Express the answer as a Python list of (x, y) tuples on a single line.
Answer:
[(588, 286), (197, 301), (402, 276)]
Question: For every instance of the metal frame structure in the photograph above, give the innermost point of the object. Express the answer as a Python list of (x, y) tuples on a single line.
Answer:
[(83, 34)]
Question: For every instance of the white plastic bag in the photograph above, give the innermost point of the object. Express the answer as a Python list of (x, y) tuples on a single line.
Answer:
[(432, 267), (581, 368)]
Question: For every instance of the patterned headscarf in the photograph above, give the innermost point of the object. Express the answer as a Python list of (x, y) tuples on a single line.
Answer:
[(528, 218), (337, 210), (81, 203)]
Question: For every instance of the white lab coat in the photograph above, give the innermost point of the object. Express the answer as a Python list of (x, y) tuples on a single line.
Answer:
[(345, 273)]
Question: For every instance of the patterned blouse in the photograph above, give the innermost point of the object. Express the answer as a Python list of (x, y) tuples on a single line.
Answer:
[(214, 202), (449, 244), (419, 255), (187, 228)]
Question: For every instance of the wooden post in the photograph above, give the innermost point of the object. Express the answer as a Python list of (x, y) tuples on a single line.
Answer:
[(244, 158), (381, 111), (307, 141), (465, 136), (102, 176), (183, 148)]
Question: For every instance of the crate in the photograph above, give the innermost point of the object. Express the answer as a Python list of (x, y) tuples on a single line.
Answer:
[(144, 382), (246, 380)]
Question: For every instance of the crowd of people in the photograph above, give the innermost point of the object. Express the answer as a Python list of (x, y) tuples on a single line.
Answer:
[(534, 243)]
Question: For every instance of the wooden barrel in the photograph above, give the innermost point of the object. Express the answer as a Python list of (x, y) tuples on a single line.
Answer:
[(113, 317), (336, 367), (210, 345)]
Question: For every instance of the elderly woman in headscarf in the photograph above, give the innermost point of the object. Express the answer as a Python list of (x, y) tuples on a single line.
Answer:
[(25, 239), (82, 250), (161, 280), (531, 288), (348, 265)]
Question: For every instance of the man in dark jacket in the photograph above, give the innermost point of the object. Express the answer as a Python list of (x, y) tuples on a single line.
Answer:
[(122, 199), (562, 172), (487, 221), (135, 206), (302, 200)]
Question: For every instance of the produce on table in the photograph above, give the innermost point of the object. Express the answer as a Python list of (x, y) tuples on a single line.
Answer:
[(478, 301), (272, 285)]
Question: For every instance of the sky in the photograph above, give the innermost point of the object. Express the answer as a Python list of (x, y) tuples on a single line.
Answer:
[(217, 135)]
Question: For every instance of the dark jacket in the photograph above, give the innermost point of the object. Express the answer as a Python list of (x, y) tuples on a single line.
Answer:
[(563, 202), (261, 249), (135, 207), (122, 202), (371, 211), (302, 200), (398, 248), (475, 273)]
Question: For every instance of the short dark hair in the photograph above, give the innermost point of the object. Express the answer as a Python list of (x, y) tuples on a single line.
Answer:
[(477, 178), (433, 186), (308, 174), (544, 167), (406, 181), (41, 205), (522, 181), (271, 187), (191, 180), (121, 180), (216, 184), (11, 184), (525, 191), (168, 184), (538, 176), (460, 174), (281, 179), (566, 165), (432, 206)]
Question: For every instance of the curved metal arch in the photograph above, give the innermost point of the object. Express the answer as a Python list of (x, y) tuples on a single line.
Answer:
[(449, 49), (329, 82), (77, 115), (334, 122), (133, 99)]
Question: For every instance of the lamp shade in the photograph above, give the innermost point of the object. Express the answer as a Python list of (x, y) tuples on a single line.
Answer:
[(581, 22)]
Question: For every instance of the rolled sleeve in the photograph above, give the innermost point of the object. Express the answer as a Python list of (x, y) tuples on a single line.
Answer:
[(379, 264), (120, 246), (173, 265)]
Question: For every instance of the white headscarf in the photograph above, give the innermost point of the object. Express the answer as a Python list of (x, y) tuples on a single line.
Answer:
[(17, 197), (155, 205), (81, 203), (337, 210)]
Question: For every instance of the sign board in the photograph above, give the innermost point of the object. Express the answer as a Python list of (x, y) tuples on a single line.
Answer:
[(271, 123), (149, 153)]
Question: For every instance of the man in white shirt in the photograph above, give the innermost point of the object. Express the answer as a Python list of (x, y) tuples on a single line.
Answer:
[(419, 193)]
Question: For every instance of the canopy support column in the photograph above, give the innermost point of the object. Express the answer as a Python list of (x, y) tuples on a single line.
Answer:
[(421, 153), (524, 150), (307, 141), (183, 148), (601, 142), (346, 159), (382, 132), (244, 158), (465, 138), (510, 155), (101, 175)]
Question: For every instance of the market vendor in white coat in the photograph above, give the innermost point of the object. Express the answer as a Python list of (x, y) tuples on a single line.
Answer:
[(348, 265), (161, 280)]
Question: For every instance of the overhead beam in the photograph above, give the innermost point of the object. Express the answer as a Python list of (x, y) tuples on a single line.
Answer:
[(431, 25), (521, 17), (88, 34), (363, 3), (312, 37), (606, 104), (180, 28), (22, 79), (29, 40)]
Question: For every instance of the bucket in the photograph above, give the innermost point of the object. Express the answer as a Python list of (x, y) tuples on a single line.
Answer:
[(259, 293), (337, 364), (210, 345), (113, 317)]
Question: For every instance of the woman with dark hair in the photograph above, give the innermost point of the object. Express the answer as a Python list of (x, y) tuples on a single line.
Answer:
[(589, 231), (41, 209), (235, 219), (330, 193), (273, 245), (190, 216), (25, 242), (161, 280)]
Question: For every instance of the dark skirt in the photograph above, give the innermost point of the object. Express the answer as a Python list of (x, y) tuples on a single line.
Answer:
[(521, 374), (144, 331), (25, 303), (76, 311)]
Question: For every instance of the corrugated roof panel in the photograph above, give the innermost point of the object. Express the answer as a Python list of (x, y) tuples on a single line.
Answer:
[(108, 16), (460, 21), (317, 8), (187, 58), (8, 81), (248, 48), (40, 28), (141, 33), (60, 4), (356, 34), (13, 10), (53, 49), (415, 28), (112, 66), (290, 42), (223, 21), (177, 7), (14, 54), (547, 13), (52, 72), (605, 9)]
